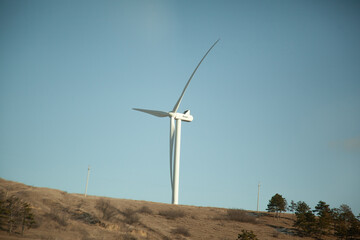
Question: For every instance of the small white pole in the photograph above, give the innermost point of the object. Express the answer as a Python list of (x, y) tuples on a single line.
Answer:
[(87, 180), (257, 209)]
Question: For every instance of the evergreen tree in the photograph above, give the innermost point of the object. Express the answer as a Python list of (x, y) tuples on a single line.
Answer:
[(15, 213), (345, 223), (27, 217), (305, 219), (3, 211), (324, 220), (277, 204), (292, 206)]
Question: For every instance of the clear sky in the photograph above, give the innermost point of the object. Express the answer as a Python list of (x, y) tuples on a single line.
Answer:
[(277, 100)]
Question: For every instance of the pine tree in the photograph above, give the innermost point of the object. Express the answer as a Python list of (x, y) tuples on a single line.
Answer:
[(324, 220), (292, 206), (277, 204), (3, 211), (345, 223), (27, 217), (305, 219), (15, 213)]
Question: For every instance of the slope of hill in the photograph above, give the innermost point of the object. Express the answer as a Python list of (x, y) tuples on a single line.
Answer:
[(60, 215)]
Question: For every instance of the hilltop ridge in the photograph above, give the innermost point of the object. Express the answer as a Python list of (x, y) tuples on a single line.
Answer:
[(60, 215)]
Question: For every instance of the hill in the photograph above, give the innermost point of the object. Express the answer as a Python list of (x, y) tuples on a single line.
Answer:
[(60, 215)]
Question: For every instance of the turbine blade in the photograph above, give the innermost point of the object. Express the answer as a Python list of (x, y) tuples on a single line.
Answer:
[(172, 129), (153, 112), (187, 84)]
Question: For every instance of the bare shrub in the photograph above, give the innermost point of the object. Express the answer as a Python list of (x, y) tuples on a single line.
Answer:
[(58, 216), (130, 216), (128, 236), (85, 217), (240, 215), (172, 214), (182, 231), (247, 235), (38, 222), (145, 210), (80, 204), (275, 234), (108, 211), (47, 238)]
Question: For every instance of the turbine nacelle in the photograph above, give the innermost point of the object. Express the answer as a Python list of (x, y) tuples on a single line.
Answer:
[(182, 116), (178, 116)]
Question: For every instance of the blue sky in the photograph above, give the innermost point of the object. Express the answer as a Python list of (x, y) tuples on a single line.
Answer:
[(277, 100)]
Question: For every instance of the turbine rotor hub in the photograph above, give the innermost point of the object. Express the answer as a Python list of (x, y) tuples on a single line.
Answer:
[(182, 116)]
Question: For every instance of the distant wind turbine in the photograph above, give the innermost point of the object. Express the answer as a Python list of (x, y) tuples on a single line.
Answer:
[(257, 208), (87, 180), (174, 115)]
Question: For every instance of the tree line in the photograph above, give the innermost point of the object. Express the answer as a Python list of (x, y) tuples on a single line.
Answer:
[(321, 221), (15, 214)]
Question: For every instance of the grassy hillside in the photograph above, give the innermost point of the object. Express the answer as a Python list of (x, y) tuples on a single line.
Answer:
[(59, 215)]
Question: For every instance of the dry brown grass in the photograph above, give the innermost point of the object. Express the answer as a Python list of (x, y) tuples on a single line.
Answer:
[(128, 237), (130, 216), (145, 210), (181, 231), (240, 216), (76, 217), (172, 214), (58, 216), (107, 210)]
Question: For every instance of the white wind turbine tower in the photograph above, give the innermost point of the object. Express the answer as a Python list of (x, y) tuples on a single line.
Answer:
[(87, 180), (174, 115)]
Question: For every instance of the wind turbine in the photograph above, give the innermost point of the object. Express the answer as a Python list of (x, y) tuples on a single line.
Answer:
[(87, 180), (174, 115)]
